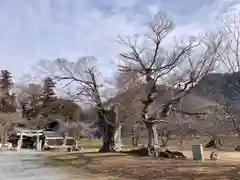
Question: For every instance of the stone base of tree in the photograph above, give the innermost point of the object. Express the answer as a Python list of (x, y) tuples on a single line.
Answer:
[(211, 144), (237, 148), (144, 151), (106, 148), (214, 143)]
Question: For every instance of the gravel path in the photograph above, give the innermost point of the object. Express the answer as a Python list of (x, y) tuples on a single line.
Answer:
[(27, 165)]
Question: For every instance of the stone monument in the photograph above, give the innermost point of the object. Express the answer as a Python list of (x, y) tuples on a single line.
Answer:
[(197, 152)]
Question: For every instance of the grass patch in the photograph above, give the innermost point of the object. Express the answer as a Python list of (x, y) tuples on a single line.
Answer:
[(89, 143), (229, 143), (127, 142)]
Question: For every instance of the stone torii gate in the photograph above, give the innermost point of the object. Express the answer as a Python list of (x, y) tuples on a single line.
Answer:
[(30, 133)]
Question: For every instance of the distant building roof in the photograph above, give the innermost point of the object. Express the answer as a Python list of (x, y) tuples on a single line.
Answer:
[(20, 129), (53, 134), (49, 123)]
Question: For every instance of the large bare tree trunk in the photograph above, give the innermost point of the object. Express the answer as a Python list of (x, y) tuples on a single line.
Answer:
[(107, 138), (118, 129), (117, 137), (111, 129), (152, 134), (111, 138), (149, 123)]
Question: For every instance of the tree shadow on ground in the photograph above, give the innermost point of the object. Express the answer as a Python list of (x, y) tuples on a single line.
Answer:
[(168, 171), (81, 159)]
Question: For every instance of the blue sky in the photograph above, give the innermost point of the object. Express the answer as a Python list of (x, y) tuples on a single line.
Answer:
[(48, 29)]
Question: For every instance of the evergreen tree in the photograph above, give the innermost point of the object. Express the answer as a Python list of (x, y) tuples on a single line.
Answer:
[(5, 82), (49, 94), (5, 86)]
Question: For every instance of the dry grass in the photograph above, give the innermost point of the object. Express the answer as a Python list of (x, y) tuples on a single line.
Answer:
[(122, 166), (93, 165)]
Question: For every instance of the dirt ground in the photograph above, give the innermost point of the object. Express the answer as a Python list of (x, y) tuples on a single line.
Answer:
[(121, 166)]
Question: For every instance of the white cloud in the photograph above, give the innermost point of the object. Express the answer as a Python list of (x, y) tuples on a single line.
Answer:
[(32, 30)]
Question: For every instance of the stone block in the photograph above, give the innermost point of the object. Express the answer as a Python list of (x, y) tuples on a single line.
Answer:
[(197, 152)]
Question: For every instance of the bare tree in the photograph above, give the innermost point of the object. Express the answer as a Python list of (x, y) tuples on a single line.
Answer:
[(127, 80), (128, 85), (6, 123), (229, 65), (216, 131), (230, 56), (79, 129), (137, 133), (230, 48), (29, 100), (164, 134), (180, 68), (88, 88)]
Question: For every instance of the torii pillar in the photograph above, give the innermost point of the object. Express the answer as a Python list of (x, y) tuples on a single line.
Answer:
[(39, 143), (19, 145), (117, 135)]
